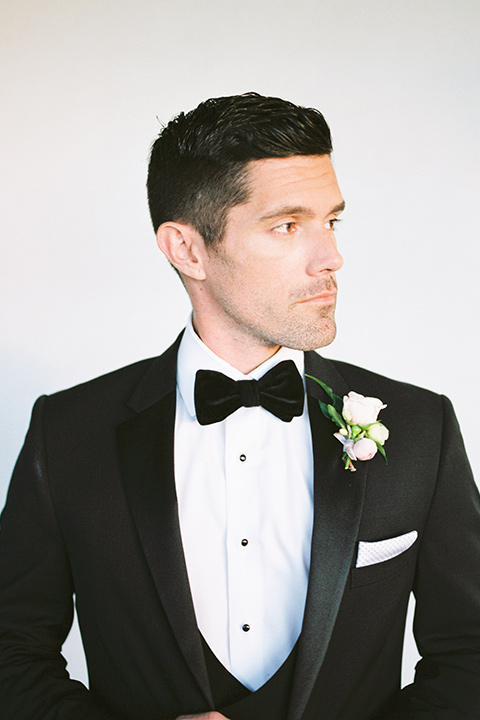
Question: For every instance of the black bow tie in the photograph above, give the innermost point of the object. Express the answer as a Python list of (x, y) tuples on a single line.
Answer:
[(280, 391)]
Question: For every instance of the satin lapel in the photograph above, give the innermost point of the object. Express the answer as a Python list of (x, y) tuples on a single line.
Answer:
[(338, 499), (145, 448)]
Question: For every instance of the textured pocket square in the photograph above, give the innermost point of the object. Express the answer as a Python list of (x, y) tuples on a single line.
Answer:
[(370, 553)]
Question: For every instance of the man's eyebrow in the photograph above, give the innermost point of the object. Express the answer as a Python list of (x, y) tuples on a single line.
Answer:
[(287, 210), (338, 208)]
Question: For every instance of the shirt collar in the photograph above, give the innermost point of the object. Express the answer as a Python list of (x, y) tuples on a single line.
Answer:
[(194, 355)]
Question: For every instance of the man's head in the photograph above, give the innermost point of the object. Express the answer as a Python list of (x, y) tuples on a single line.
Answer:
[(197, 169), (244, 199)]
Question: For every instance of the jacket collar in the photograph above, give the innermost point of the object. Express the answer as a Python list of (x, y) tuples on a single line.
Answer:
[(338, 501), (159, 380), (145, 450)]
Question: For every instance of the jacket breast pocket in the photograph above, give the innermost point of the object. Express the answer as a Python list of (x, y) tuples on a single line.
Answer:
[(369, 574)]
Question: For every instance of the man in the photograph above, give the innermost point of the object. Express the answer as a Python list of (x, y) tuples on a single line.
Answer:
[(225, 562)]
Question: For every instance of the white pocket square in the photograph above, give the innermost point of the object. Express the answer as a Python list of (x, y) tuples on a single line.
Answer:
[(370, 553)]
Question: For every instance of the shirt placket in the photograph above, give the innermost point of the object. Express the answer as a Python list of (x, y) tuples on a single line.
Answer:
[(243, 443)]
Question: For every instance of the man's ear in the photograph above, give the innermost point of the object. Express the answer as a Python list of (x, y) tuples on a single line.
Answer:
[(184, 247)]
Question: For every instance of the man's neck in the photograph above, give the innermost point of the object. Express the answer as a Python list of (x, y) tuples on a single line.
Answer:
[(238, 352)]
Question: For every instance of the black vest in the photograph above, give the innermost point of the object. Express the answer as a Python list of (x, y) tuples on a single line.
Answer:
[(235, 701)]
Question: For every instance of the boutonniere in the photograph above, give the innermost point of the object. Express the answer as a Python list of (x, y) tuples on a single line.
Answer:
[(360, 432)]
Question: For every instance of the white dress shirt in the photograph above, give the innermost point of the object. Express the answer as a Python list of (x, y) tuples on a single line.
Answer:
[(245, 496)]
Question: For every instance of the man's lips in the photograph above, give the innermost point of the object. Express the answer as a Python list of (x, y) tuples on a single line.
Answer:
[(327, 296)]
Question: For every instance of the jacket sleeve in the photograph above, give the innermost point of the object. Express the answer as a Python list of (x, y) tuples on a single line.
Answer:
[(36, 598), (447, 592)]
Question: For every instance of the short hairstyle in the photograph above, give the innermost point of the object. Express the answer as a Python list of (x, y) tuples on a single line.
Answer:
[(198, 163)]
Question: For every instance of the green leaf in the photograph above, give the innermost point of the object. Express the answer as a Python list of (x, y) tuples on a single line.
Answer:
[(324, 409), (336, 417), (338, 404), (337, 401), (327, 389), (382, 452)]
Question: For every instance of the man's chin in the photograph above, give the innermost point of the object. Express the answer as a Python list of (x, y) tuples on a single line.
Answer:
[(328, 337), (313, 339), (324, 342)]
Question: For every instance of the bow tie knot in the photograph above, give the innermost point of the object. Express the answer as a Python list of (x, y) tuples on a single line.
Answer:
[(249, 393), (280, 391)]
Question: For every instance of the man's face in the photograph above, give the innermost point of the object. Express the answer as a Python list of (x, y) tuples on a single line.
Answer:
[(271, 280)]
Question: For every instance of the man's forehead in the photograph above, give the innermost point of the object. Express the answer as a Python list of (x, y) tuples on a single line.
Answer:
[(272, 164), (299, 176)]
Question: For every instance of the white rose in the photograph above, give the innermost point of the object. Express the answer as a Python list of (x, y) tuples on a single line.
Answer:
[(364, 449), (361, 410), (378, 432)]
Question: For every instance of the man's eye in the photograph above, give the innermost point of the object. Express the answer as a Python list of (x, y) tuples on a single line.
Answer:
[(330, 224), (286, 228)]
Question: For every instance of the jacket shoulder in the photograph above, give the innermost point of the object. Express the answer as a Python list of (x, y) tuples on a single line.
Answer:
[(403, 398), (371, 380), (119, 383), (146, 381)]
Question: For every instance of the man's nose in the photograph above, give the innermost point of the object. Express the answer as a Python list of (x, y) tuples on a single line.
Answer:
[(325, 256)]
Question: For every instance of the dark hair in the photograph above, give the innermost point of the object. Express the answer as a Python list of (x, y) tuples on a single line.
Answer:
[(197, 168)]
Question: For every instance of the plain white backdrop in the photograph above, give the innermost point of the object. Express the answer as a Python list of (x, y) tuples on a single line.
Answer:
[(86, 85)]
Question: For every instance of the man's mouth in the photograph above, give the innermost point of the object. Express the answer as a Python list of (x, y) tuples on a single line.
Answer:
[(325, 297)]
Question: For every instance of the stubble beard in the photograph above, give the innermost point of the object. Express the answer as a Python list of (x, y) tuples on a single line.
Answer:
[(296, 333), (309, 327), (301, 327), (310, 335)]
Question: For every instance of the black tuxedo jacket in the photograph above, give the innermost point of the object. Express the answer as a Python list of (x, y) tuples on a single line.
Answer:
[(91, 511)]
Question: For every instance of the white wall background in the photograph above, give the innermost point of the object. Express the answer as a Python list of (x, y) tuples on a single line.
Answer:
[(83, 287)]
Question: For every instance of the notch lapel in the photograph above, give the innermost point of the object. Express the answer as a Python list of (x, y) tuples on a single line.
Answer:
[(338, 500), (145, 449)]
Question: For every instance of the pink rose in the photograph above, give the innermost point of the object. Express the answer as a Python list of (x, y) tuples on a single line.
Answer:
[(364, 449), (361, 410)]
